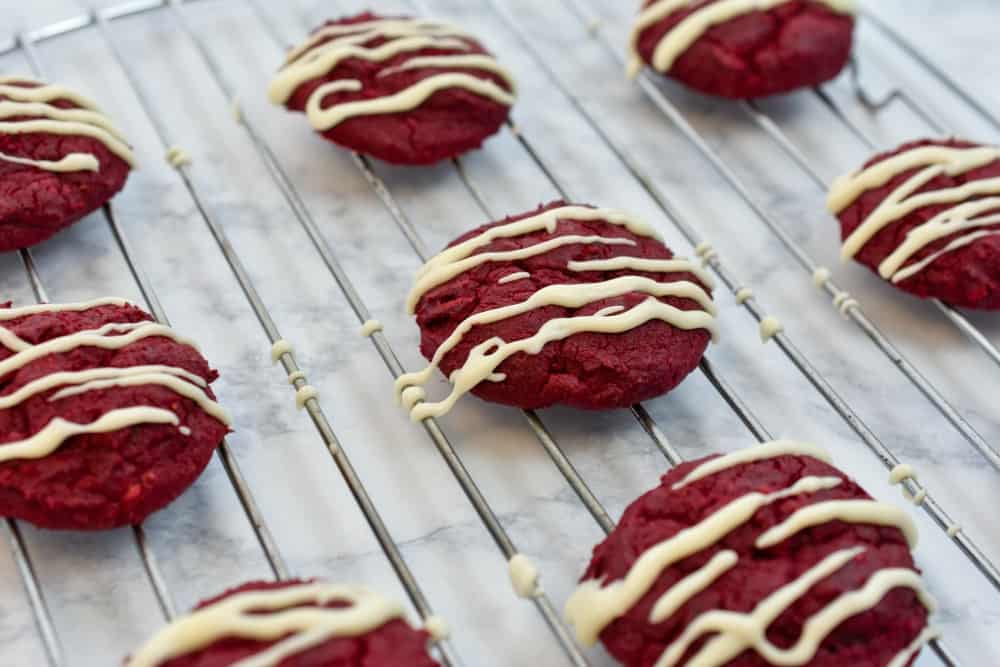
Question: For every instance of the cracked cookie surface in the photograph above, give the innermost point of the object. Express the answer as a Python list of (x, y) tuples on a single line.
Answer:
[(38, 199), (793, 45), (588, 369), (404, 90), (111, 415)]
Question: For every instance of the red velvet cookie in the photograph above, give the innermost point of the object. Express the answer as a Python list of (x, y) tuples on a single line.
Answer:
[(768, 539), (60, 159), (404, 90), (568, 305), (105, 416), (927, 218), (729, 49), (387, 641)]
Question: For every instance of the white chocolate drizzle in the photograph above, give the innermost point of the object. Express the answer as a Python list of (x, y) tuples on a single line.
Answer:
[(903, 658), (67, 164), (847, 511), (483, 360), (411, 396), (843, 302), (437, 628), (295, 617), (962, 213), (280, 348), (821, 276), (49, 438), (32, 106), (331, 45), (901, 473), (523, 576), (177, 157), (166, 379), (680, 38), (706, 251), (369, 328), (59, 430), (768, 450), (685, 589), (743, 295), (769, 328), (513, 277), (295, 377), (304, 394), (23, 311), (954, 529), (596, 604)]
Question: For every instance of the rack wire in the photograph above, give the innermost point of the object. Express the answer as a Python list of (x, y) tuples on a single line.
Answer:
[(102, 18), (852, 308), (752, 306)]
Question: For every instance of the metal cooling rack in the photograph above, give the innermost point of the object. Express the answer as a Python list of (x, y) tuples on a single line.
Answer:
[(174, 11)]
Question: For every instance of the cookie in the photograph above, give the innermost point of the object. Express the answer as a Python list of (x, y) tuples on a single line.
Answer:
[(568, 305), (60, 159), (766, 556), (926, 217), (404, 90), (743, 49), (294, 624), (105, 416)]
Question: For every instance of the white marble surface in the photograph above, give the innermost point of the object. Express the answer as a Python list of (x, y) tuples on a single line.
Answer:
[(95, 586)]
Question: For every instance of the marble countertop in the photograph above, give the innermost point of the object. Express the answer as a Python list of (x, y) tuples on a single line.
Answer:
[(95, 585)]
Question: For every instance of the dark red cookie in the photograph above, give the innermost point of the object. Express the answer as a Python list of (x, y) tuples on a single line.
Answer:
[(393, 644), (97, 481), (586, 370), (871, 638), (449, 122), (36, 202), (967, 277), (794, 45)]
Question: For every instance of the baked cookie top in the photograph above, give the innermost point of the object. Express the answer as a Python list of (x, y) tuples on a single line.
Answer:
[(767, 556), (105, 415), (404, 90), (567, 304), (743, 49), (926, 217), (61, 158), (292, 624)]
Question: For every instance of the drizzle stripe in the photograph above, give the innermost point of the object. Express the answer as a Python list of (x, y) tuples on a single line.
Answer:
[(57, 431), (369, 30), (477, 61), (675, 265), (65, 343), (171, 382), (331, 54), (410, 98), (688, 587), (53, 380), (850, 511), (570, 296), (59, 127), (680, 38), (268, 616), (593, 607), (23, 311), (770, 450), (739, 632), (444, 273)]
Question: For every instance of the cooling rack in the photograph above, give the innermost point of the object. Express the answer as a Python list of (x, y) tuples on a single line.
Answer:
[(269, 235)]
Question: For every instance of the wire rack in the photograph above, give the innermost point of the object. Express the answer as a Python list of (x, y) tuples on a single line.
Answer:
[(598, 26)]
